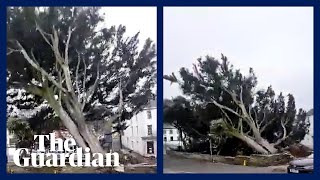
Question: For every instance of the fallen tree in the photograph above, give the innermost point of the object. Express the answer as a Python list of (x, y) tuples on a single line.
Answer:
[(260, 119), (57, 55)]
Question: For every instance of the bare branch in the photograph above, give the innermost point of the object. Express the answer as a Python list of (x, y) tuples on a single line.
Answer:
[(89, 94), (240, 125), (232, 94), (120, 99), (55, 42), (38, 68), (63, 62), (55, 48), (241, 100), (228, 118), (284, 136), (263, 119), (43, 35), (77, 75), (60, 81), (11, 51), (250, 112), (84, 75), (120, 106), (266, 125), (255, 120), (66, 54), (256, 115), (226, 108)]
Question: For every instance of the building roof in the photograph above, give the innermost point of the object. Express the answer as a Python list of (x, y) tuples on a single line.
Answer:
[(168, 126), (310, 112), (151, 104)]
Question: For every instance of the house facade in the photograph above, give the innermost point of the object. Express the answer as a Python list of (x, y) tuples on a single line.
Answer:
[(141, 133), (171, 136), (10, 144), (308, 139)]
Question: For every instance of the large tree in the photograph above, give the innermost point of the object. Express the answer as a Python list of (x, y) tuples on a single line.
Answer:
[(260, 119), (59, 55)]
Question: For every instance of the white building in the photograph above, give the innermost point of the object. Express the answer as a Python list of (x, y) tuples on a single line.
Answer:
[(141, 133), (10, 144), (171, 136), (308, 139)]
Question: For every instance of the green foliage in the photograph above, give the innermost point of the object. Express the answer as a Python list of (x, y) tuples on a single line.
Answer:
[(215, 80), (180, 113), (20, 128), (118, 57)]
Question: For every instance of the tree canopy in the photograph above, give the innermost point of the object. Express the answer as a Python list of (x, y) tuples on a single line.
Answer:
[(60, 57), (227, 101)]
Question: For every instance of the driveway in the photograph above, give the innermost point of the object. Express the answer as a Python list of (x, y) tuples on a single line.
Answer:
[(173, 164)]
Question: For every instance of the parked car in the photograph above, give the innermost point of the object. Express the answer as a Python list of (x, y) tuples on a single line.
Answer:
[(301, 165)]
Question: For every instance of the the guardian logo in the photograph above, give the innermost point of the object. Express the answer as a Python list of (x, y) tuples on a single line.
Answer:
[(62, 153)]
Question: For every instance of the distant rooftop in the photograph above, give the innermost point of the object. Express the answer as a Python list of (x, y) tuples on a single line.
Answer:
[(167, 126), (310, 112), (152, 103)]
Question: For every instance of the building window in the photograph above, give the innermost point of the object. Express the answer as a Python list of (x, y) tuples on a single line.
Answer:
[(150, 147), (149, 129), (149, 114), (165, 139), (171, 131), (171, 138), (164, 132)]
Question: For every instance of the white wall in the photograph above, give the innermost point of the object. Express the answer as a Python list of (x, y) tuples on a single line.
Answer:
[(308, 139), (137, 129), (172, 138), (10, 148)]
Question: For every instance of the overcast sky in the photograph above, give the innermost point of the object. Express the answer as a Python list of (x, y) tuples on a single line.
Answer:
[(136, 19), (277, 42), (143, 19)]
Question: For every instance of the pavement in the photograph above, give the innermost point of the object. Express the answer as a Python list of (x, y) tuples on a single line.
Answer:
[(177, 165)]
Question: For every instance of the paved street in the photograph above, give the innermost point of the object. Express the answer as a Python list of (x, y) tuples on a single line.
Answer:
[(181, 165)]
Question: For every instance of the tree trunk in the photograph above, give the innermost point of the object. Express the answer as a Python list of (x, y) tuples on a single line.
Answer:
[(90, 139), (269, 146), (68, 123), (262, 146), (80, 132), (258, 139)]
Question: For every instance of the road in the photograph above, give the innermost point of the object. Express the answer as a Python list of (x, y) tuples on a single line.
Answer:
[(174, 164)]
